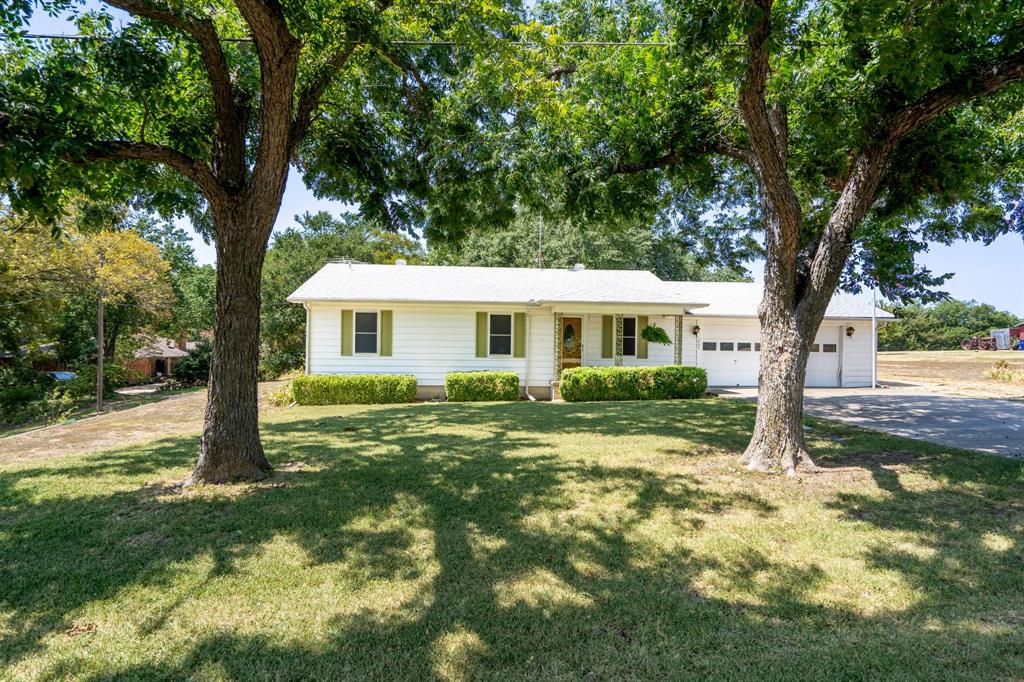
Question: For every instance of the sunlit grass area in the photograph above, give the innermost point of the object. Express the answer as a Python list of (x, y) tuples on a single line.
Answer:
[(516, 541)]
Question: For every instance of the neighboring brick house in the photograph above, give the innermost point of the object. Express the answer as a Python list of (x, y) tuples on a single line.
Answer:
[(155, 360)]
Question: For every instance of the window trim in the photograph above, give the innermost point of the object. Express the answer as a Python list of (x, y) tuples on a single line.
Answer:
[(511, 336), (376, 334), (635, 337)]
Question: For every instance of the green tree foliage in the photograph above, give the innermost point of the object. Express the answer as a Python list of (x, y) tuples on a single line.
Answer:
[(533, 241), (847, 133), (52, 282), (941, 326), (194, 368), (200, 108), (294, 256)]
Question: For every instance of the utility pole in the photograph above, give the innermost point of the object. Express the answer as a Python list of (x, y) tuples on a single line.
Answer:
[(99, 351)]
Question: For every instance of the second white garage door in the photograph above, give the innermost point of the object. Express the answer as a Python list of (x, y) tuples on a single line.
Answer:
[(731, 355)]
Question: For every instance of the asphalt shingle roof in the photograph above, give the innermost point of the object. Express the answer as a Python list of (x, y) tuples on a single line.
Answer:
[(458, 284), (740, 299)]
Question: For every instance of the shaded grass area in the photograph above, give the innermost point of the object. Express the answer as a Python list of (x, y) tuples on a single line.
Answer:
[(516, 541)]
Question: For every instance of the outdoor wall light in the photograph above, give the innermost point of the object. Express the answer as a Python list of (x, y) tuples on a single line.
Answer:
[(849, 331), (696, 329)]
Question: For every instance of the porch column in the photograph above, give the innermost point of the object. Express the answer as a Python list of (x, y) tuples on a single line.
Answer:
[(677, 352), (618, 339), (558, 347)]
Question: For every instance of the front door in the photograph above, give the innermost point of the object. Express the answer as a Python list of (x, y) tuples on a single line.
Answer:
[(572, 342)]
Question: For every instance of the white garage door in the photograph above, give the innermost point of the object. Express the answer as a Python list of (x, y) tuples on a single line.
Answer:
[(731, 355), (823, 362)]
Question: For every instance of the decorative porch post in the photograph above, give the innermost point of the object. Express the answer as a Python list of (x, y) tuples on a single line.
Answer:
[(558, 347), (677, 352), (618, 339)]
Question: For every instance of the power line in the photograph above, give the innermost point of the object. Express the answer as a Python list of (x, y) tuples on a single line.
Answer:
[(408, 43)]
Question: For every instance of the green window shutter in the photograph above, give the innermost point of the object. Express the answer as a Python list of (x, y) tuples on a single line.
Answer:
[(607, 335), (385, 333), (346, 332), (519, 335), (481, 335), (641, 342)]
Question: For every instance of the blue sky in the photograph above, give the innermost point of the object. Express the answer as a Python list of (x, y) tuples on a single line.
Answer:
[(990, 274)]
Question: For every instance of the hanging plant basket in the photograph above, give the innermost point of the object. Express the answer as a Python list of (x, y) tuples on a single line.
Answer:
[(652, 333)]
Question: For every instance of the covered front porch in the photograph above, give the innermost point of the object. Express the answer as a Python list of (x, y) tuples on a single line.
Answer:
[(597, 336)]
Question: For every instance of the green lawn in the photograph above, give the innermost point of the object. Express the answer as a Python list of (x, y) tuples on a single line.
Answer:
[(516, 541)]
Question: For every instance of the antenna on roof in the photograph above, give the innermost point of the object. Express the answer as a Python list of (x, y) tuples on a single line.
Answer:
[(540, 244)]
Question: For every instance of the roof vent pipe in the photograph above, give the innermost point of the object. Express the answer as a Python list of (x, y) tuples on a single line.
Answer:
[(400, 261), (579, 267)]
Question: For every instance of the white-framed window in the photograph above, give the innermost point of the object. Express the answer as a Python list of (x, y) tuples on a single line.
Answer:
[(367, 332), (629, 336), (743, 345), (757, 347), (829, 348), (499, 334), (726, 345), (709, 345)]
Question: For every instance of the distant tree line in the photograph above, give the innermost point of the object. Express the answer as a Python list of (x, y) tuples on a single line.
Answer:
[(941, 326)]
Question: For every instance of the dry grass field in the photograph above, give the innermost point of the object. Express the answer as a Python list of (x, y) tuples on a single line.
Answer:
[(955, 371)]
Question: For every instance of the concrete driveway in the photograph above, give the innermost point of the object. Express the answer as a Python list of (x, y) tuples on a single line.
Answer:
[(984, 424)]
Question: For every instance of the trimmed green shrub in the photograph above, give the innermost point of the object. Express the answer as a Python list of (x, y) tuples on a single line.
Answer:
[(581, 384), (359, 389), (479, 386)]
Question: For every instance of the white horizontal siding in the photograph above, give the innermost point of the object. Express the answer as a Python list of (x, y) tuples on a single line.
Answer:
[(427, 342), (430, 340), (541, 347)]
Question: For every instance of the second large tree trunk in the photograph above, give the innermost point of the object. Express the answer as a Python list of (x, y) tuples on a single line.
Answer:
[(231, 448), (778, 440)]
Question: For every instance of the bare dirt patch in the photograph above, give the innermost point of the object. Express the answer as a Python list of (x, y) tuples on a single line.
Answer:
[(174, 416), (952, 372)]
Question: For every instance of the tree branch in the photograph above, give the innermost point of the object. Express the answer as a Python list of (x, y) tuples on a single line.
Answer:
[(311, 97), (964, 88), (663, 161), (229, 160), (126, 150), (559, 71), (675, 157), (783, 215)]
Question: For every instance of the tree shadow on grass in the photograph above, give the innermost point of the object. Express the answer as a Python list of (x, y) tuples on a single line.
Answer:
[(524, 561)]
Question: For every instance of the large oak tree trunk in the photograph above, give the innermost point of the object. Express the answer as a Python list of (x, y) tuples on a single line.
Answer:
[(778, 440), (231, 448)]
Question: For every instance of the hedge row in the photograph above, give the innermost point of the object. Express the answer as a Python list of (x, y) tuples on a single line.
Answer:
[(364, 389), (477, 386), (581, 384)]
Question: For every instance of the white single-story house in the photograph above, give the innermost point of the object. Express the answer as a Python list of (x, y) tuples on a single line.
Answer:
[(428, 320)]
